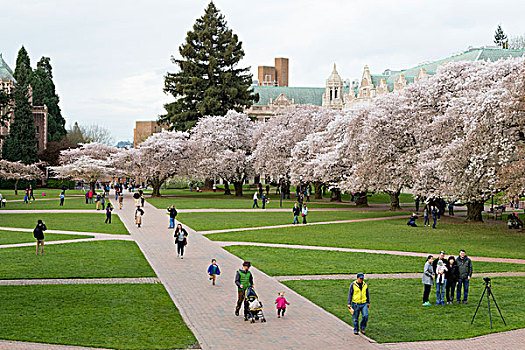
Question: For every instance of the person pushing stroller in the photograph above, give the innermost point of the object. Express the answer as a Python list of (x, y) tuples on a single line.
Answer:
[(243, 280)]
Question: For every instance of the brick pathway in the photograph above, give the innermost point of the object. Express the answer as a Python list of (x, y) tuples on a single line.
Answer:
[(140, 280), (354, 250), (301, 225), (208, 310), (385, 276), (60, 232), (53, 211)]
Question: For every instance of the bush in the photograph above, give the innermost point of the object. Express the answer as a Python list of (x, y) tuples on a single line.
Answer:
[(58, 183)]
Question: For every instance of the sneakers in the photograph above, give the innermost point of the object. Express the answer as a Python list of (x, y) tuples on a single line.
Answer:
[(356, 333), (426, 303), (363, 331), (457, 302), (178, 255), (236, 312), (278, 316), (465, 302)]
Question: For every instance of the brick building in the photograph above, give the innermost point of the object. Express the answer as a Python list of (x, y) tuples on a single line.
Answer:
[(145, 129), (276, 75), (40, 113)]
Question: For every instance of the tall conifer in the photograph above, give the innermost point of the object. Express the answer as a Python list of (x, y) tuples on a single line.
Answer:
[(208, 81)]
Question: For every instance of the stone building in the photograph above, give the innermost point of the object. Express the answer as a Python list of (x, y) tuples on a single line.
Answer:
[(373, 85), (145, 129), (40, 113)]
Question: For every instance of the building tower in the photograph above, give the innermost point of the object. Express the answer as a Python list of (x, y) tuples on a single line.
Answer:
[(333, 96)]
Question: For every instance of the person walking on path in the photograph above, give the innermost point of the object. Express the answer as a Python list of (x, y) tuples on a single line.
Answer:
[(138, 216), (120, 201), (109, 209), (452, 276), (62, 197), (180, 240), (425, 214), (142, 199), (296, 212), (255, 198), (213, 271), (243, 280), (304, 213), (281, 304), (359, 302), (38, 233), (428, 273), (173, 213), (464, 274), (435, 214)]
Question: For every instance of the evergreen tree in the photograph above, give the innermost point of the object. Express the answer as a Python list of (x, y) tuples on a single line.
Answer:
[(21, 143), (209, 81), (500, 38), (44, 93), (23, 71)]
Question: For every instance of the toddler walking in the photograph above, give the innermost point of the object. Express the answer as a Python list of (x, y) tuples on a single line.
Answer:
[(281, 304), (213, 271)]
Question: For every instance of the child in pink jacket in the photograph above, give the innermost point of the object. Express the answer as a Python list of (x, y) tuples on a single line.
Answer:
[(281, 304)]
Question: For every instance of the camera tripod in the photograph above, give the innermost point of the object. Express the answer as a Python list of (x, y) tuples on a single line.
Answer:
[(488, 290)]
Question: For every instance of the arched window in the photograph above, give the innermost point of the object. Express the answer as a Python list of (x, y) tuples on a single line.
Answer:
[(330, 94), (335, 93)]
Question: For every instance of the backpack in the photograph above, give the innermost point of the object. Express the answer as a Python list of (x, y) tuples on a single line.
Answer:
[(37, 232)]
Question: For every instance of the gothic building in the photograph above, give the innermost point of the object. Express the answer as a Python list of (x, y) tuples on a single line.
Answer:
[(7, 82)]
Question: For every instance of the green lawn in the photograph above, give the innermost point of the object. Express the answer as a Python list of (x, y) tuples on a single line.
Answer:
[(66, 221), (396, 313), (10, 194), (69, 203), (228, 202), (12, 237), (219, 221), (291, 262), (483, 239), (97, 259), (111, 316)]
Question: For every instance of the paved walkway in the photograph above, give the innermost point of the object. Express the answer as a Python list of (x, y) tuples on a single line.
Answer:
[(31, 282), (354, 250), (372, 276), (19, 345), (52, 211), (301, 225), (62, 232), (208, 310)]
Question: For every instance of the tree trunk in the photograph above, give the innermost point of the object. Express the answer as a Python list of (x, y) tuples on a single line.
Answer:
[(474, 211), (256, 179), (16, 187), (156, 184), (208, 184), (394, 201), (336, 195), (227, 188), (92, 186), (318, 188), (238, 188), (361, 199)]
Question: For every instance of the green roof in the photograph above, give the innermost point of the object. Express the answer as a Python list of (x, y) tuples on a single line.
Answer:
[(5, 71), (477, 54), (301, 95)]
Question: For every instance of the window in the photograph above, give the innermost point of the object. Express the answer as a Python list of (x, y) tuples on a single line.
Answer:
[(37, 129), (330, 94), (335, 93)]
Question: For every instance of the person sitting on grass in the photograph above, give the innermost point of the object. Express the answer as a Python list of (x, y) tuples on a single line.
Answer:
[(428, 273), (412, 220), (213, 271), (38, 233)]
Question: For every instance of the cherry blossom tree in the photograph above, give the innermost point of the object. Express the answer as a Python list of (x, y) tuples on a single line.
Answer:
[(90, 163), (18, 171), (160, 157), (222, 147), (275, 139)]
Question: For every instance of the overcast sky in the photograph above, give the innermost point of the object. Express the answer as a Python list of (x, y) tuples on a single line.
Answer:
[(110, 57)]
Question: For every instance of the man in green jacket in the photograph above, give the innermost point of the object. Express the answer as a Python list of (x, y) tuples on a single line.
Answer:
[(243, 280), (465, 273)]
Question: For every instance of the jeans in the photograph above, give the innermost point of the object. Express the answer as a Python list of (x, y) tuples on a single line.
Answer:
[(435, 220), (264, 204), (295, 219), (363, 309), (427, 220), (440, 292), (462, 282), (255, 204), (172, 223)]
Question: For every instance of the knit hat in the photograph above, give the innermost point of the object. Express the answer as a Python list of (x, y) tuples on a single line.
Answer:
[(246, 263), (360, 275)]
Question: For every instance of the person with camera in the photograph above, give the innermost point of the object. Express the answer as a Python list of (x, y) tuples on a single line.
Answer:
[(465, 273), (38, 233)]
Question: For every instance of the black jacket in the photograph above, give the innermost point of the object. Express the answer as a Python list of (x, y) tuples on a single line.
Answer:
[(38, 232), (182, 232), (173, 212), (296, 211), (453, 273), (435, 264)]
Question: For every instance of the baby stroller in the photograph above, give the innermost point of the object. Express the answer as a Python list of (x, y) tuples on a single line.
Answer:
[(253, 305)]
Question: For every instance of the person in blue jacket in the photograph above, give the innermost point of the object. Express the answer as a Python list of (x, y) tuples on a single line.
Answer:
[(213, 271)]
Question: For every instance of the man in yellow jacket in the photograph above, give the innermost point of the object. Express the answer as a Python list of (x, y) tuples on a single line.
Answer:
[(359, 302)]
